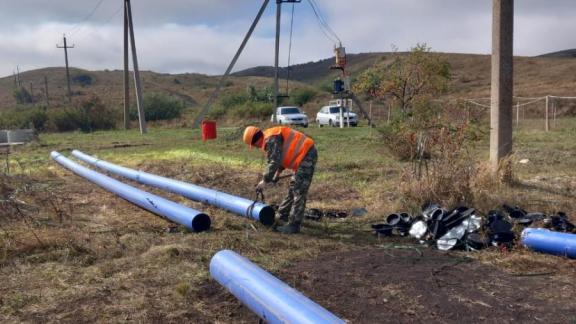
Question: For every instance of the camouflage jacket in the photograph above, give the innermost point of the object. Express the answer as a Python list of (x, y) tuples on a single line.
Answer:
[(273, 148)]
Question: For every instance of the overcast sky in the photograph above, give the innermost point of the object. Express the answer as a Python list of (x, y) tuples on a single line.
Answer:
[(201, 36)]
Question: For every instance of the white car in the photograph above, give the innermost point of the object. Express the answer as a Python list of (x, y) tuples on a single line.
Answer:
[(290, 116), (330, 115)]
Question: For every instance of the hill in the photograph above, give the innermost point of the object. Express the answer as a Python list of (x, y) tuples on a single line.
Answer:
[(193, 89), (534, 76), (570, 53), (319, 71)]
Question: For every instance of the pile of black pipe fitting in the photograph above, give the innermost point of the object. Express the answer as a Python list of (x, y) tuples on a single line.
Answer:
[(462, 227)]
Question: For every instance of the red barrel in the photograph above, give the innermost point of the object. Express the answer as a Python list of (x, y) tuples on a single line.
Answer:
[(208, 130)]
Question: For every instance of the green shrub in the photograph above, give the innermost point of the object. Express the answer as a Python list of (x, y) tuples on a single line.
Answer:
[(89, 115), (35, 117), (233, 100), (216, 112), (65, 119), (252, 104), (83, 79), (302, 96), (258, 110), (22, 96), (159, 107)]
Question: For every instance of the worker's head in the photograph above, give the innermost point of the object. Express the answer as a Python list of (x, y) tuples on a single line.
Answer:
[(253, 136)]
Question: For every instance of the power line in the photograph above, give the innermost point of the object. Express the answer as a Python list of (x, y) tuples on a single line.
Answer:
[(81, 24), (324, 20), (84, 35), (324, 27)]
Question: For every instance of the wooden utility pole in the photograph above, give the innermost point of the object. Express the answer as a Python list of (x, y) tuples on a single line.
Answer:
[(18, 76), (554, 112), (126, 74), (137, 82), (502, 81), (547, 119), (46, 91), (518, 113), (276, 56), (66, 47), (32, 91)]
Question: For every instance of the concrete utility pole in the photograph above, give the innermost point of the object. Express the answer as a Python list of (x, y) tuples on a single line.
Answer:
[(46, 91), (137, 82), (502, 81), (276, 56), (126, 74), (66, 47)]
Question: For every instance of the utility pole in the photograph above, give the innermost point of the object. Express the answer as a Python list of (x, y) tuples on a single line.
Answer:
[(46, 91), (126, 74), (502, 82), (18, 76), (137, 82), (66, 47), (15, 79), (276, 57), (554, 112), (547, 121), (32, 91), (518, 113)]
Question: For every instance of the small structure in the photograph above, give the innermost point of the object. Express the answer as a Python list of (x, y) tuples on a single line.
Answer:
[(18, 136), (3, 136)]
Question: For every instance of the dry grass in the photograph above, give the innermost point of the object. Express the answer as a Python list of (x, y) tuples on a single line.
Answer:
[(447, 178), (102, 259)]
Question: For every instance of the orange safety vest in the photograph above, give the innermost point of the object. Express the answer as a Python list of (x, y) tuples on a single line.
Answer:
[(295, 147)]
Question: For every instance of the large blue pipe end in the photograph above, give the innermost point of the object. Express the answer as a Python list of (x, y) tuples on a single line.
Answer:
[(546, 241), (266, 215), (201, 223)]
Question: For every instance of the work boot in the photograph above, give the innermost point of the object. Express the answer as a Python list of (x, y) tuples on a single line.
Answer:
[(291, 228), (284, 218)]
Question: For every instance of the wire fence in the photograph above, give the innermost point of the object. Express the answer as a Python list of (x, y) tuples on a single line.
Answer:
[(546, 113)]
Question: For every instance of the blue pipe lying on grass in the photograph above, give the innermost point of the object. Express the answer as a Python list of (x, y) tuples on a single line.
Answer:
[(546, 241), (237, 205), (190, 218), (271, 299)]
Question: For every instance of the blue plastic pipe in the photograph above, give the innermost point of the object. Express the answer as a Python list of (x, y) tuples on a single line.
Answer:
[(190, 218), (546, 241), (271, 299), (236, 205)]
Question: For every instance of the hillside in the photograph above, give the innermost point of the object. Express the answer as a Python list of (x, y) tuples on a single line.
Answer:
[(570, 53), (319, 71), (534, 76), (193, 89)]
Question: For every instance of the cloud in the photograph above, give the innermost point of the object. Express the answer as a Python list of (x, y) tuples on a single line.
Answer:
[(202, 36)]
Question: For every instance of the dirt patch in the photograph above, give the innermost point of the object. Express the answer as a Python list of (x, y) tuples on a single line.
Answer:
[(390, 285)]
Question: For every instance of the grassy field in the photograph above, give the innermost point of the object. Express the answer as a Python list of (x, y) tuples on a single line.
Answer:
[(76, 253)]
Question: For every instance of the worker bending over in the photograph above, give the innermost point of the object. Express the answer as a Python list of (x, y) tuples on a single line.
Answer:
[(286, 148)]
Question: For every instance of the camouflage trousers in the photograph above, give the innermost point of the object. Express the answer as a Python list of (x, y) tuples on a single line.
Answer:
[(294, 205)]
